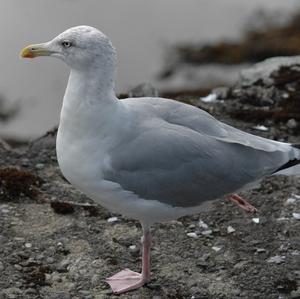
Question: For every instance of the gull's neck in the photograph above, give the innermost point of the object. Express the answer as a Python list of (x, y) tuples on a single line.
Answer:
[(89, 102), (92, 87)]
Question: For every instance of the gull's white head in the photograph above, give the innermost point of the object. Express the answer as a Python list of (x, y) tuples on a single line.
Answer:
[(81, 47)]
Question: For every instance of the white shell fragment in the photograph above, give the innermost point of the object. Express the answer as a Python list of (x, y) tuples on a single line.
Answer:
[(230, 229), (216, 248), (255, 220), (296, 216), (132, 247), (261, 128), (192, 235), (209, 98), (112, 219)]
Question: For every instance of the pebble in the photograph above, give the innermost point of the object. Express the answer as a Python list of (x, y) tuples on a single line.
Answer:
[(260, 250), (28, 245), (39, 166), (292, 123), (216, 248), (261, 128), (50, 260), (192, 226), (63, 266), (206, 232), (18, 267), (112, 219), (277, 259), (25, 162), (209, 98), (133, 248), (192, 235), (230, 229), (202, 224), (296, 216), (255, 220), (291, 200)]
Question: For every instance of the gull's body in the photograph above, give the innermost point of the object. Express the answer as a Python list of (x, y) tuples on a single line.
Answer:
[(151, 159)]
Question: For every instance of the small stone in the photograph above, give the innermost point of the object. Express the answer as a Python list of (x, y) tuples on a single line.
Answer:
[(112, 219), (292, 123), (206, 232), (191, 226), (63, 266), (50, 260), (295, 294), (291, 200), (18, 267), (255, 220), (277, 259), (55, 277), (202, 224), (28, 245), (25, 162), (260, 128), (216, 248), (296, 216), (282, 219), (230, 229), (192, 235), (209, 98), (260, 250), (39, 166), (133, 248), (202, 264)]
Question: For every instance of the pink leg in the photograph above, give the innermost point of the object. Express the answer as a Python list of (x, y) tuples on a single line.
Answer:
[(241, 202), (127, 280)]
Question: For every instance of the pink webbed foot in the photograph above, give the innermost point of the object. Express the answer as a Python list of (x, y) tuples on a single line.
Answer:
[(242, 203), (126, 280)]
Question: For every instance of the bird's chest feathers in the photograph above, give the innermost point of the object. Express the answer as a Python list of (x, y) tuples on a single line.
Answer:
[(83, 145)]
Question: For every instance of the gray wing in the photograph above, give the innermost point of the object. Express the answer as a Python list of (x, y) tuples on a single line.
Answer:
[(184, 167)]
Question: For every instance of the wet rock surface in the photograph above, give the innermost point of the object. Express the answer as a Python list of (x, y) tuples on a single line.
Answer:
[(56, 243)]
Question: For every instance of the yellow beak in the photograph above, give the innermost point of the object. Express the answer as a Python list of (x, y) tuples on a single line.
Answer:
[(33, 51)]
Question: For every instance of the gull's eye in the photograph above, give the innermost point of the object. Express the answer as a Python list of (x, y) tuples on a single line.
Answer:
[(66, 44)]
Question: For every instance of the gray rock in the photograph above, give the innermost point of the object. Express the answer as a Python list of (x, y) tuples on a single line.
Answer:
[(263, 70), (50, 260), (292, 123), (63, 266)]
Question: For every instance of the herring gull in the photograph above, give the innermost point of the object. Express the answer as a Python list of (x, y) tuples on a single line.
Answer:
[(151, 159)]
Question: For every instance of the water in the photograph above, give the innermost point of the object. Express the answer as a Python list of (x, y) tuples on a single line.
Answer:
[(139, 29)]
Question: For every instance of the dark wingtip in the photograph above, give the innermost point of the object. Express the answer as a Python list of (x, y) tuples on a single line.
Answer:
[(289, 164), (296, 146)]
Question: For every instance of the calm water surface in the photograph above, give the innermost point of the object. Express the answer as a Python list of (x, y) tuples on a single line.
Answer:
[(139, 29)]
